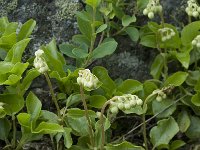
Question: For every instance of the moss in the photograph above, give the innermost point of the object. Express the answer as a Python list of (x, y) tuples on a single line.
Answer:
[(66, 9), (7, 6)]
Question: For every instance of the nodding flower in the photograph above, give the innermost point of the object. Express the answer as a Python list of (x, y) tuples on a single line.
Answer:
[(166, 33), (152, 8), (192, 9), (39, 62), (124, 102), (196, 41), (88, 80)]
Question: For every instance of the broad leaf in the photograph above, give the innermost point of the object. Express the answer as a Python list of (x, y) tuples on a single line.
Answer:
[(176, 79), (164, 132), (5, 127)]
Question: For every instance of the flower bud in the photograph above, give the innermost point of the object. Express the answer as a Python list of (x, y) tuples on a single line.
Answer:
[(195, 14), (114, 110), (139, 102), (98, 114), (120, 106), (151, 15), (145, 11), (159, 98), (127, 106)]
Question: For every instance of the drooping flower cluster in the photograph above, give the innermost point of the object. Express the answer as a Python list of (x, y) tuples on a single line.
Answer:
[(160, 95), (124, 102), (196, 41), (166, 33), (39, 62), (88, 80), (192, 9), (152, 8)]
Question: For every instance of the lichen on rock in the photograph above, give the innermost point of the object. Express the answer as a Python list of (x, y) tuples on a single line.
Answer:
[(6, 6)]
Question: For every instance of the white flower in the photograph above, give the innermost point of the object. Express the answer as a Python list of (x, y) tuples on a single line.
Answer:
[(39, 62), (88, 80), (196, 41), (152, 8), (192, 9), (166, 33), (125, 102)]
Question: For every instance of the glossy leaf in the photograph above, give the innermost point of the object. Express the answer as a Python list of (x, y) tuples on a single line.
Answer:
[(33, 106), (176, 79), (133, 33), (5, 128), (67, 137), (164, 132), (183, 121), (130, 86), (106, 48), (26, 29), (48, 128), (101, 28), (158, 107), (157, 66), (193, 131), (127, 20), (97, 101)]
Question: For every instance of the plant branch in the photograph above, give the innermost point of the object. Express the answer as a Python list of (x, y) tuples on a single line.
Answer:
[(91, 133), (52, 94)]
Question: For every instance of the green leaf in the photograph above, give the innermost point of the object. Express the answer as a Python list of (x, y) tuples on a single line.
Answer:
[(157, 66), (183, 121), (176, 79), (48, 128), (10, 28), (141, 4), (26, 29), (30, 76), (106, 48), (97, 101), (24, 120), (193, 131), (158, 107), (49, 116), (148, 41), (5, 128), (196, 99), (33, 106), (123, 146), (93, 3), (197, 86), (189, 32), (15, 54), (133, 33), (74, 98), (85, 27), (193, 77), (176, 144), (102, 74), (101, 28), (130, 86), (81, 39), (3, 24), (80, 53), (67, 49), (127, 20), (67, 137), (164, 132), (52, 57), (13, 103)]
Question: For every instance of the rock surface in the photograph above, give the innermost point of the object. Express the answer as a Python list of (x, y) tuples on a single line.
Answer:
[(56, 18)]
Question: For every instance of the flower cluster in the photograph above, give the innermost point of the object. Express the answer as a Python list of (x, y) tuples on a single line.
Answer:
[(124, 102), (152, 8), (166, 33), (88, 80), (192, 9), (160, 95), (196, 41), (39, 62)]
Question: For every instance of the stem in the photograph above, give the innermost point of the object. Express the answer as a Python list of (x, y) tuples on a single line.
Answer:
[(189, 19), (162, 19), (120, 31), (52, 94), (91, 133), (144, 132), (21, 143), (165, 66), (135, 128), (14, 131), (102, 124)]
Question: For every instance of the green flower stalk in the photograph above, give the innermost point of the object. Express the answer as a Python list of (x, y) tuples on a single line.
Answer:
[(89, 82)]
